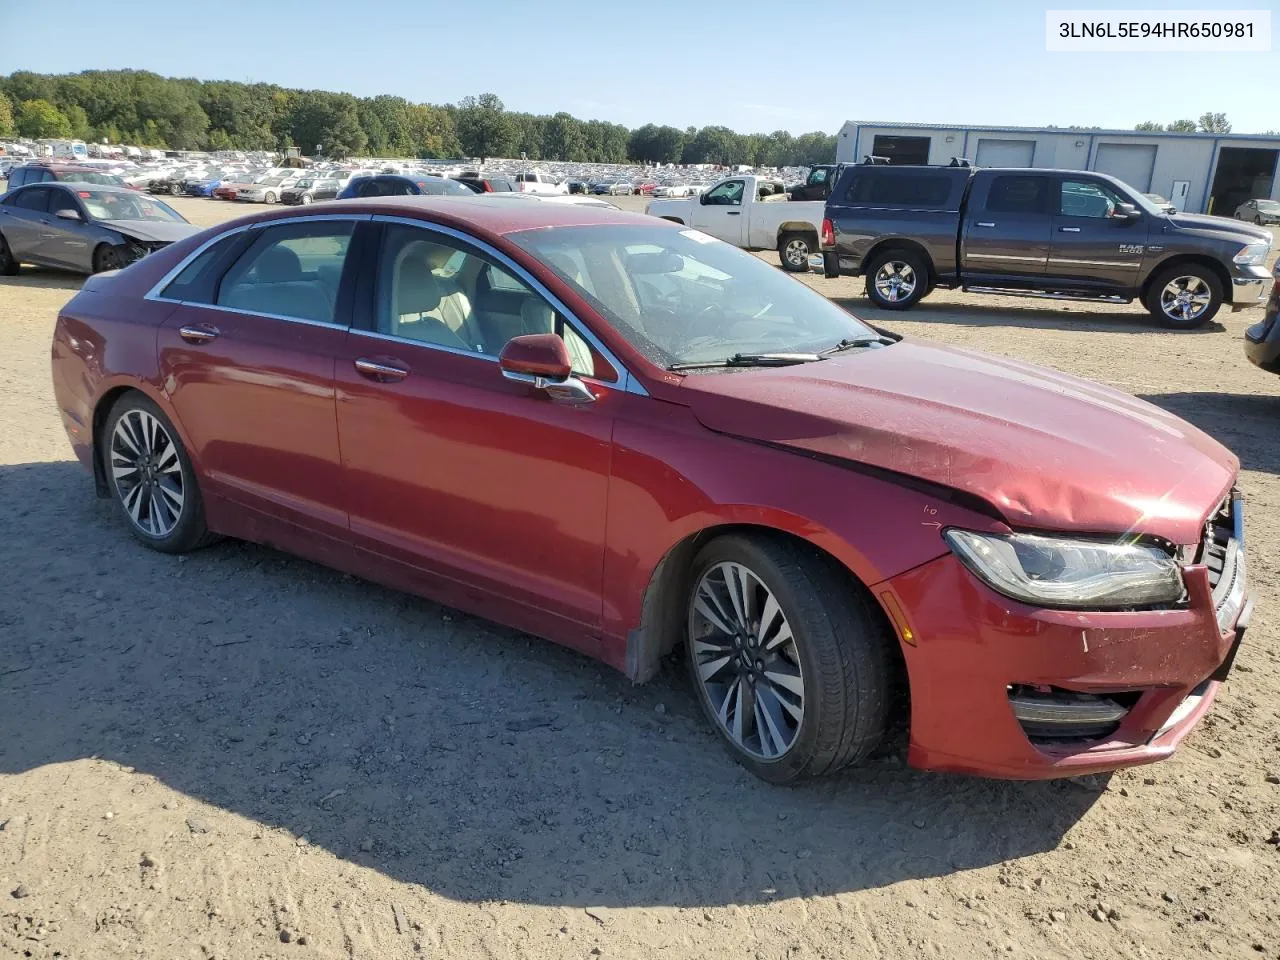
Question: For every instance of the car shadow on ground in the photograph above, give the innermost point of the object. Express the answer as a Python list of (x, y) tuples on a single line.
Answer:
[(431, 746), (45, 279), (1244, 422), (976, 314)]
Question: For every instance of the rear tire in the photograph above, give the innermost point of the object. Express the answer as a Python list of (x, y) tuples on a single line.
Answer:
[(175, 189), (1183, 298), (151, 477), (794, 250), (269, 197), (9, 266), (897, 280), (811, 662)]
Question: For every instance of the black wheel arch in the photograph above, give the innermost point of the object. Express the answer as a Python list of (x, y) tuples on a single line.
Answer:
[(891, 244), (1189, 259), (662, 615)]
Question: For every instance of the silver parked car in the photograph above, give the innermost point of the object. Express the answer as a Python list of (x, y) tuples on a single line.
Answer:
[(84, 227), (1259, 211)]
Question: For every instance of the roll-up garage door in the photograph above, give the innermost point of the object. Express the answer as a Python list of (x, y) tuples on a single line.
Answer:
[(1005, 153), (1130, 162)]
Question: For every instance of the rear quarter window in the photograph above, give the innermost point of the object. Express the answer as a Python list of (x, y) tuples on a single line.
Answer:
[(886, 189)]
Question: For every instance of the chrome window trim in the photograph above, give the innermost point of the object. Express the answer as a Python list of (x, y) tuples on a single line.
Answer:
[(627, 382), (168, 278), (409, 341), (272, 316)]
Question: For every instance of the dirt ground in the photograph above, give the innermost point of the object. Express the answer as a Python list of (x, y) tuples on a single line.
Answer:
[(240, 755)]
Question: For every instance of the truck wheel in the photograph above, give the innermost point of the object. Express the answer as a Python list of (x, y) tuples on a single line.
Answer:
[(793, 251), (1185, 297), (897, 279)]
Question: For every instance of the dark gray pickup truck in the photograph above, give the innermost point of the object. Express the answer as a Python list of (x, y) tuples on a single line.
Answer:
[(1060, 234)]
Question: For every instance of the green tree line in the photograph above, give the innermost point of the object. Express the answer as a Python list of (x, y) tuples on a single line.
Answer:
[(137, 107)]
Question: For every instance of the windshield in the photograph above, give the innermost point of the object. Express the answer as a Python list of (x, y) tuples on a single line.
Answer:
[(444, 187), (680, 296), (1268, 205), (110, 205)]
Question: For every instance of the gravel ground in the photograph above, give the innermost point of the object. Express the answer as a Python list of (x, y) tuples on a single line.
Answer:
[(242, 755)]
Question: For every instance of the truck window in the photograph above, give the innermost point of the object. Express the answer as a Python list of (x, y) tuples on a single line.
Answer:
[(1087, 199), (921, 190), (818, 176), (727, 194), (1018, 194)]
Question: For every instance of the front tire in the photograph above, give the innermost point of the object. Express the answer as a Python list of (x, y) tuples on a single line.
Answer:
[(1183, 298), (175, 189), (107, 257), (270, 197), (306, 198), (151, 477), (794, 250), (791, 667), (897, 280)]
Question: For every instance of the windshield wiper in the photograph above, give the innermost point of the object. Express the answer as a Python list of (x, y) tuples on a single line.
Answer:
[(849, 343), (751, 360)]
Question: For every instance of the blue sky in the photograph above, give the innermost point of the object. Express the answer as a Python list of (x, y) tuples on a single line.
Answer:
[(749, 65)]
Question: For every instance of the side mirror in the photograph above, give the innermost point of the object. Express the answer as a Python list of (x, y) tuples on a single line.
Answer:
[(66, 214), (542, 361), (1127, 211), (702, 199)]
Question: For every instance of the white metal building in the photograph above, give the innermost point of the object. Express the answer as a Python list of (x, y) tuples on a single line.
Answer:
[(1197, 172)]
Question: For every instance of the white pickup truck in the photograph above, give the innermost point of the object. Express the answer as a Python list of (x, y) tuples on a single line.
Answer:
[(535, 182), (753, 213)]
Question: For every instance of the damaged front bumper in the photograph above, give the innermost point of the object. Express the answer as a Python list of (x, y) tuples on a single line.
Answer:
[(1001, 689)]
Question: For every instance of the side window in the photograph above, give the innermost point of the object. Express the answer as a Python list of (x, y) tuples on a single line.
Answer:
[(370, 188), (292, 270), (818, 176), (897, 189), (727, 194), (1084, 198), (62, 200), (1017, 194), (195, 283), (436, 291), (33, 198)]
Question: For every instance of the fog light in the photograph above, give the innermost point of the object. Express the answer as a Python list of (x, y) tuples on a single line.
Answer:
[(1047, 713)]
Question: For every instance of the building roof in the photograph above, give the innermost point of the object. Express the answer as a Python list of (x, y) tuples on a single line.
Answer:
[(893, 125)]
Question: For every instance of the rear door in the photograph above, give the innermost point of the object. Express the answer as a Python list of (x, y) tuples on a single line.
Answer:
[(1092, 246), (248, 359), (1006, 228), (720, 211), (22, 221)]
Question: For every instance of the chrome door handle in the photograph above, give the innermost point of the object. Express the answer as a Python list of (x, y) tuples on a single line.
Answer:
[(984, 223), (1068, 229), (382, 372), (199, 333)]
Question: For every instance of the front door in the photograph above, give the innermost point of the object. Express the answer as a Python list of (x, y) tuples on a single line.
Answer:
[(720, 211), (1094, 247), (248, 365), (1007, 229), (67, 242), (490, 487)]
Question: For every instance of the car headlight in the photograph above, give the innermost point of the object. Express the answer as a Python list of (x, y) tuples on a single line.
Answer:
[(1067, 572), (1253, 253)]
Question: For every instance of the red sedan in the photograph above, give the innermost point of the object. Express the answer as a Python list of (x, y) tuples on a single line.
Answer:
[(631, 438)]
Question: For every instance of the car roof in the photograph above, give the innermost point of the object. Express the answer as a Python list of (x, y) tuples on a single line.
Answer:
[(82, 185), (481, 213)]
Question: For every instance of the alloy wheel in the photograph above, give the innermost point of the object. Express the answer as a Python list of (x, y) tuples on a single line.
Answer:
[(147, 473), (796, 252), (746, 660), (1185, 298), (895, 280)]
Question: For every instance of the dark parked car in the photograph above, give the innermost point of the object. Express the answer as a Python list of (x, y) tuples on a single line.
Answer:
[(309, 191), (599, 428), (579, 186), (480, 184), (1262, 340), (83, 227), (1063, 234), (174, 185), (397, 185), (60, 173)]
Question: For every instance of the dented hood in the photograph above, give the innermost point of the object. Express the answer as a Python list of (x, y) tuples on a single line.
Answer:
[(1048, 451)]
